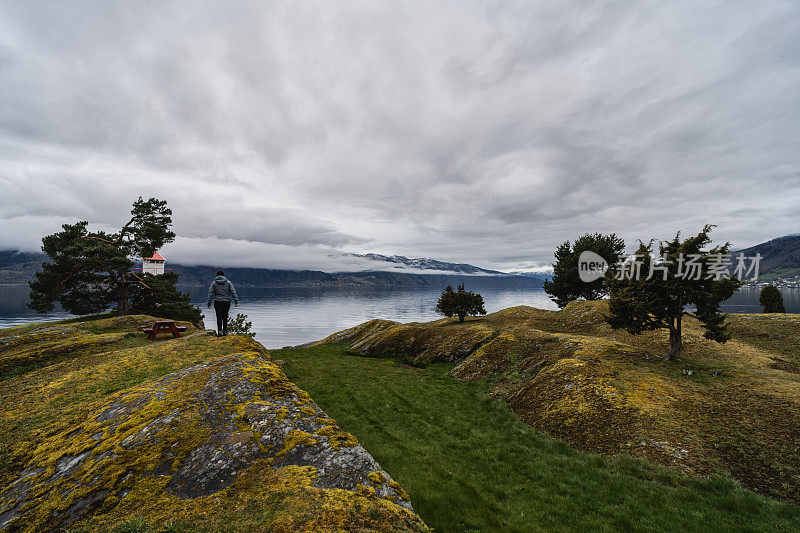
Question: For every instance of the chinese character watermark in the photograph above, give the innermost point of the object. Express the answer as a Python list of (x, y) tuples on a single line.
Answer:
[(694, 267)]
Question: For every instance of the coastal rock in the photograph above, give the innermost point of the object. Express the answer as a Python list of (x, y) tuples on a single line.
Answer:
[(424, 342), (230, 431)]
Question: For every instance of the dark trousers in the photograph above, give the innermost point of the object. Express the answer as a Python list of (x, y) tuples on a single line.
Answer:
[(222, 309)]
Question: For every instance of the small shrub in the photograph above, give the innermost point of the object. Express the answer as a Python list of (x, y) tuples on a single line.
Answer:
[(240, 326), (772, 300)]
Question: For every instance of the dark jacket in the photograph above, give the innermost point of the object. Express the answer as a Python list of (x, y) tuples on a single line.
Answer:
[(222, 290)]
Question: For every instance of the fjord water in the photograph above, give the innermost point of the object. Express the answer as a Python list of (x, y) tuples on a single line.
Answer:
[(291, 316), (286, 317)]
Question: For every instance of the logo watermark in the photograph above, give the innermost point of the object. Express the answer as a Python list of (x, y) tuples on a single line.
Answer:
[(684, 266), (591, 266)]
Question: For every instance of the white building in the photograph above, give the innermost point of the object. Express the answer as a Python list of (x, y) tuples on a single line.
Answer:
[(154, 264)]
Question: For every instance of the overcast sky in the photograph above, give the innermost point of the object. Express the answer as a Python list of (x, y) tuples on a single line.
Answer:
[(284, 134)]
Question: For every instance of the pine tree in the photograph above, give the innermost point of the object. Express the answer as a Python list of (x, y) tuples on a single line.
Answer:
[(89, 271), (566, 284), (460, 303), (642, 304), (157, 296)]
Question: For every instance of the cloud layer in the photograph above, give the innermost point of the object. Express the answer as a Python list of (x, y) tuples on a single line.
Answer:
[(285, 134)]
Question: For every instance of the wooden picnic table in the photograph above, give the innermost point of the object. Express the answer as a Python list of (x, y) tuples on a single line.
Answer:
[(162, 326)]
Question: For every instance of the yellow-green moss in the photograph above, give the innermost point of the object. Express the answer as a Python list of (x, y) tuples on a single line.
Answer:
[(296, 438), (338, 437), (399, 490), (376, 478), (51, 413), (284, 498)]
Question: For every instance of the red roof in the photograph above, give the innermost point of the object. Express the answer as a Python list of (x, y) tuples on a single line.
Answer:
[(156, 257)]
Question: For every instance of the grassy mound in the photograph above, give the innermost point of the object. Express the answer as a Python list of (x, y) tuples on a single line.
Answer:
[(197, 433), (423, 342), (731, 407)]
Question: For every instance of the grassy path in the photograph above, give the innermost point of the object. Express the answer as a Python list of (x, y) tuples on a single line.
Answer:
[(471, 465)]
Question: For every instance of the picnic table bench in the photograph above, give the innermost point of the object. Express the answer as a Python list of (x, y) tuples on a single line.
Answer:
[(162, 326)]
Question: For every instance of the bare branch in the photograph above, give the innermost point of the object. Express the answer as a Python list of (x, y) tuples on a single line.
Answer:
[(124, 229), (141, 281)]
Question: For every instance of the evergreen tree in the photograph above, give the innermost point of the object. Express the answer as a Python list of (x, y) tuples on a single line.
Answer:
[(460, 303), (157, 296), (772, 300), (566, 284), (90, 271), (643, 304)]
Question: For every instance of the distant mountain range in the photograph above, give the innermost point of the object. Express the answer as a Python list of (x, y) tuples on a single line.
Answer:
[(779, 257), (260, 277), (18, 268), (537, 275), (421, 263)]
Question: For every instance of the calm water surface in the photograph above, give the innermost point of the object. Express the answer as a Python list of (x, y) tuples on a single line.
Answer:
[(283, 317)]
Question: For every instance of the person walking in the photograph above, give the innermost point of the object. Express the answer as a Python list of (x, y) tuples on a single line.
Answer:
[(221, 292)]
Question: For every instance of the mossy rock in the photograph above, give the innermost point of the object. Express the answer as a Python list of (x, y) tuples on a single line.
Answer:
[(360, 332), (221, 436), (38, 344), (425, 343)]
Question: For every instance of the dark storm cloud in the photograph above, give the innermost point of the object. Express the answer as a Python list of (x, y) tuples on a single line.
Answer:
[(286, 133)]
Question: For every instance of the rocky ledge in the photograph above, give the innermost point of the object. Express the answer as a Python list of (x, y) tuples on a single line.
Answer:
[(200, 443)]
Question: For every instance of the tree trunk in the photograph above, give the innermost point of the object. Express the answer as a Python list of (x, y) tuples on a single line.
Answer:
[(674, 346), (461, 317), (675, 340), (122, 305), (122, 299)]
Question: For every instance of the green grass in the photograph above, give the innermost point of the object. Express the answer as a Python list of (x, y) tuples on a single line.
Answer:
[(785, 272), (470, 464)]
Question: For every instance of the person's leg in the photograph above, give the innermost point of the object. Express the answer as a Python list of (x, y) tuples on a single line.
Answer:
[(219, 310), (226, 309)]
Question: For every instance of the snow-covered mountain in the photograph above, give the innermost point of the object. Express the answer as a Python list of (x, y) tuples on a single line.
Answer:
[(421, 263), (537, 275)]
